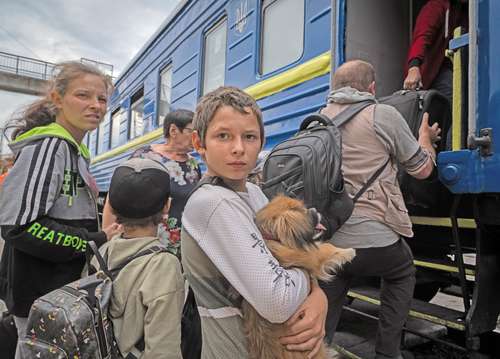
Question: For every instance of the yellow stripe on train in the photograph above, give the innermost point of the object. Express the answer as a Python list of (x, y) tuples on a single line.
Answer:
[(313, 68), (468, 223)]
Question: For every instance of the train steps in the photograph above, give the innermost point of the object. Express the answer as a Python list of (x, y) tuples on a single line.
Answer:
[(355, 336), (433, 313), (448, 266)]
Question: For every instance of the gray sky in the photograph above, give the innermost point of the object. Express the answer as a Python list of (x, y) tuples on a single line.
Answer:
[(56, 30)]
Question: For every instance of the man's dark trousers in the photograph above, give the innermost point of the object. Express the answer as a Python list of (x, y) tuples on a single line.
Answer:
[(394, 264)]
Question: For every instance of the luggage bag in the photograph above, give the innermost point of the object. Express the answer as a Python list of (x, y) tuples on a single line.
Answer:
[(427, 197)]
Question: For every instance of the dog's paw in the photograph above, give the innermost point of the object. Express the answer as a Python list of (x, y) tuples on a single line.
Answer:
[(348, 254), (336, 259)]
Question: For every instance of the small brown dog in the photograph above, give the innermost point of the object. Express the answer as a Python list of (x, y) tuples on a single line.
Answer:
[(291, 232)]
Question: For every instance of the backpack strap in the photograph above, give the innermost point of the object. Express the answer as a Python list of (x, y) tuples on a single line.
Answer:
[(137, 350), (370, 181), (344, 117), (103, 261), (213, 180), (151, 250), (339, 119), (350, 112), (93, 250)]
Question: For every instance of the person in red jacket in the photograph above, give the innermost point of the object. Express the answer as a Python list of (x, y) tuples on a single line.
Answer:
[(428, 67)]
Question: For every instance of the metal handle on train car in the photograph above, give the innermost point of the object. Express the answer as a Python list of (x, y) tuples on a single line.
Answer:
[(484, 142)]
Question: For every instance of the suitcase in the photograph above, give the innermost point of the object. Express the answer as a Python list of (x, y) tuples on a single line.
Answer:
[(427, 197)]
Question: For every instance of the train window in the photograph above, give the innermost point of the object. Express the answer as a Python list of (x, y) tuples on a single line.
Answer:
[(116, 118), (214, 65), (165, 93), (137, 114), (282, 33)]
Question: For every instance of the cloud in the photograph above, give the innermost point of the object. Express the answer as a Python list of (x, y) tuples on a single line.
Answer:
[(101, 30)]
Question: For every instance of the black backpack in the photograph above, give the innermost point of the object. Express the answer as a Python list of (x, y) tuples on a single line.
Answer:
[(427, 197), (191, 336), (8, 335), (308, 166)]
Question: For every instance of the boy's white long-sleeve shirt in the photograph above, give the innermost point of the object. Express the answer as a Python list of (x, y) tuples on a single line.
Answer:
[(223, 252)]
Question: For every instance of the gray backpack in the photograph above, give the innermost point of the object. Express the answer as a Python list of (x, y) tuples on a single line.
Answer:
[(72, 321), (308, 166)]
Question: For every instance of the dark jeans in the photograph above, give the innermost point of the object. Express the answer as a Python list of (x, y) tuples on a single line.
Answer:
[(394, 264), (444, 82)]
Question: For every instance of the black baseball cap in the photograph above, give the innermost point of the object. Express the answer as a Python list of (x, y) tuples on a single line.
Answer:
[(139, 188)]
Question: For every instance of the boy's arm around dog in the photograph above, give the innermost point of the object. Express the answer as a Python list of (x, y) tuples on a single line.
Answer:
[(222, 224)]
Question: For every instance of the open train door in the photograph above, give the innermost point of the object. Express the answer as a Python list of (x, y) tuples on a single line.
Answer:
[(357, 33), (470, 168)]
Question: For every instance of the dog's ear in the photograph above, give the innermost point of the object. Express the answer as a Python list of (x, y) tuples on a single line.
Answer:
[(293, 227), (286, 220)]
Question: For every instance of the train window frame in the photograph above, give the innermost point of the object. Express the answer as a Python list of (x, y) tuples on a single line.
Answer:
[(97, 135), (167, 67), (264, 5), (222, 22), (92, 145), (86, 137), (135, 100), (100, 136), (119, 111)]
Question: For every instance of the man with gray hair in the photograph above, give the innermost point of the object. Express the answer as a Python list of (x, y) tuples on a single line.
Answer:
[(377, 138)]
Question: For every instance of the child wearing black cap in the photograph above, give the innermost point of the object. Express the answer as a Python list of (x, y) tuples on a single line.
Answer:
[(148, 294)]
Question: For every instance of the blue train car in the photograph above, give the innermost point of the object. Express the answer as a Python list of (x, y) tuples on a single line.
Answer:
[(205, 44), (283, 52), (278, 51)]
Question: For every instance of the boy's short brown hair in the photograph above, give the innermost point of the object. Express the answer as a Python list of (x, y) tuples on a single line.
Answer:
[(224, 96)]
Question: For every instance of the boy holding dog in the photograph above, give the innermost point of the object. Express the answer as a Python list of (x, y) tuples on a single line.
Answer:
[(225, 258)]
